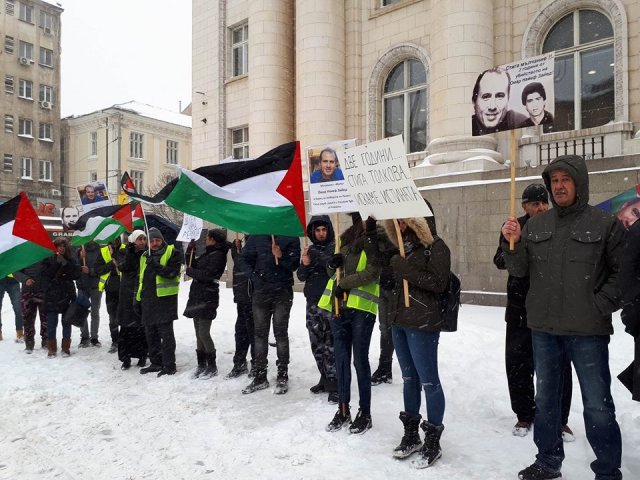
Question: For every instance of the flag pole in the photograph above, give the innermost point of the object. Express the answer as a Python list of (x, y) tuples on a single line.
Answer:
[(512, 203), (405, 284), (336, 251), (273, 242)]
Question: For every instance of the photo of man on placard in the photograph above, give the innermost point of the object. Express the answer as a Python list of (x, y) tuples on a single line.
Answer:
[(325, 168), (534, 98)]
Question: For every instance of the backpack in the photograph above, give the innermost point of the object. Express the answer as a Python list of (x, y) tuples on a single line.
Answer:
[(450, 304)]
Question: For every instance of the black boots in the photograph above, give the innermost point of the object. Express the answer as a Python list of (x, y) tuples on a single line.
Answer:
[(282, 382), (259, 381), (211, 369), (382, 374), (430, 451), (202, 363), (411, 439), (320, 386), (238, 370)]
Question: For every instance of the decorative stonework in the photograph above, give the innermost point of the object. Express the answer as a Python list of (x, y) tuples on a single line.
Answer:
[(376, 81), (548, 15)]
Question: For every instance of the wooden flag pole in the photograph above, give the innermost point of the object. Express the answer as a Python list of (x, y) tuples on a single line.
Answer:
[(337, 250), (273, 242), (512, 211), (405, 284)]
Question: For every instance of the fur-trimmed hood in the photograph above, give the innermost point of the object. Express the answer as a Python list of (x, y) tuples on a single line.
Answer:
[(417, 224)]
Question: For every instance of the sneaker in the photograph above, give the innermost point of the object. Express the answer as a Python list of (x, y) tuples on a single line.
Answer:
[(84, 343), (153, 368), (255, 385), (381, 376), (113, 348), (521, 429), (339, 421), (238, 370), (333, 398), (361, 424), (567, 435), (95, 342), (536, 472), (167, 371)]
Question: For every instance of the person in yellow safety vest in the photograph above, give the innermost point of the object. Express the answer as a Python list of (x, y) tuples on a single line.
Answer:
[(110, 283), (357, 291), (157, 302)]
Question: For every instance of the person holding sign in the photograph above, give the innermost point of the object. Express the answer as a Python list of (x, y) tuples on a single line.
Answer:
[(534, 99), (358, 292), (328, 171), (416, 333)]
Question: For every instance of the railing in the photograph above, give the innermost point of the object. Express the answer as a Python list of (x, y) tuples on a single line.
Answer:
[(587, 147)]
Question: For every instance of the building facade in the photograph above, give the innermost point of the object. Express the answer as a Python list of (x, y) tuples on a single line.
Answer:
[(148, 142), (266, 72), (30, 101)]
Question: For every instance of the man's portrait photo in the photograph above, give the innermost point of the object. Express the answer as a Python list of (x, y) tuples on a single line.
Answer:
[(534, 99), (325, 167), (69, 217), (93, 195)]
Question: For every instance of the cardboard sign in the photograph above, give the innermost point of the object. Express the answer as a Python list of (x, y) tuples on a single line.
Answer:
[(191, 228), (378, 178)]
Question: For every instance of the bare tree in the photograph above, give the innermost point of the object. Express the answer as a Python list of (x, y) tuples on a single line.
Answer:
[(164, 211)]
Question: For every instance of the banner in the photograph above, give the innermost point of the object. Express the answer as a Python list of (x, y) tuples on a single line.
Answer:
[(191, 228), (625, 206), (93, 195), (378, 178)]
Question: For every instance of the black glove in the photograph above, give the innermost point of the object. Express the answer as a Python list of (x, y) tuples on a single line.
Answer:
[(190, 248), (137, 308), (400, 265), (370, 225), (190, 271), (336, 261), (153, 264), (340, 292)]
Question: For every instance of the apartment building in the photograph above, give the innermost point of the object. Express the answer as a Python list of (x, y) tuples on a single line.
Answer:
[(30, 100)]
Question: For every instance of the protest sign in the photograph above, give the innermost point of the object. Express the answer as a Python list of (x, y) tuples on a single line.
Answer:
[(191, 228), (625, 206)]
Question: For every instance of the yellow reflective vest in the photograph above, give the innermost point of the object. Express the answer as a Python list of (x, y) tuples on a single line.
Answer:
[(106, 255), (164, 286), (364, 297)]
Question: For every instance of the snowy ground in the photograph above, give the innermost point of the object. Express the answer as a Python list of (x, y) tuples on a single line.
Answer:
[(82, 417)]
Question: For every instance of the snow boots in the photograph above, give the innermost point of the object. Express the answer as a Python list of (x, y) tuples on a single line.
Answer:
[(52, 347), (259, 382), (66, 347), (20, 336), (430, 451), (382, 374), (238, 370), (320, 386), (282, 382), (202, 363), (411, 440), (211, 370)]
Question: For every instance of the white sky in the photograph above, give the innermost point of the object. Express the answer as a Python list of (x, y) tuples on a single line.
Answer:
[(115, 51)]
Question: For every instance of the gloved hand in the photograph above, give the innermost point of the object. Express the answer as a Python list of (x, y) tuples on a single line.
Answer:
[(370, 225), (400, 266), (336, 261), (340, 292), (189, 271), (137, 308), (191, 248), (153, 264)]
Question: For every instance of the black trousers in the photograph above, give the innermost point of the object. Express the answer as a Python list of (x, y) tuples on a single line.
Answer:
[(267, 305), (244, 334), (162, 344)]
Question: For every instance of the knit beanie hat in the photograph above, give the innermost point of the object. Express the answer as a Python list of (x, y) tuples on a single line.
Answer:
[(535, 193), (155, 233), (135, 235)]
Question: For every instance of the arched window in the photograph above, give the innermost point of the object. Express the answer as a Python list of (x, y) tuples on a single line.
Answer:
[(404, 109), (583, 42)]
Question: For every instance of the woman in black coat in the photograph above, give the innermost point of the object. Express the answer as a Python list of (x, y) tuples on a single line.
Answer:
[(204, 296), (58, 273), (132, 342), (629, 281)]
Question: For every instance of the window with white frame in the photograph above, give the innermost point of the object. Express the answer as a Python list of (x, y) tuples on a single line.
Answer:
[(25, 89), (240, 143), (8, 123), (240, 50), (9, 43), (25, 127), (583, 42), (26, 50), (8, 163), (138, 179), (25, 13), (26, 168), (404, 106), (172, 152), (93, 144), (8, 84), (136, 145), (46, 21), (46, 57), (45, 174), (46, 93), (45, 131)]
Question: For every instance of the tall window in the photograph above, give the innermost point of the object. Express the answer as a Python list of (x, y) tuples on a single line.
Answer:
[(25, 168), (26, 50), (240, 50), (136, 145), (46, 21), (172, 152), (46, 57), (405, 104), (138, 179), (584, 75), (45, 131), (25, 13), (25, 127), (45, 171), (46, 93), (93, 144), (240, 143), (25, 89)]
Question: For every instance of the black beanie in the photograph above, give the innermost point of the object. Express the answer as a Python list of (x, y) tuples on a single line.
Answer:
[(535, 193), (155, 233)]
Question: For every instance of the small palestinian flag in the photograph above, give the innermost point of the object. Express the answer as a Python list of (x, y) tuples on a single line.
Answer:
[(102, 225), (260, 197), (137, 216), (127, 184), (23, 239)]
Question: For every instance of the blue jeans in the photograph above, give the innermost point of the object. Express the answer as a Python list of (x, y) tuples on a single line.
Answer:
[(352, 331), (13, 289), (590, 357), (52, 325), (417, 353)]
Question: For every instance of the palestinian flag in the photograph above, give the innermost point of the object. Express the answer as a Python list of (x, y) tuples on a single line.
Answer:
[(260, 197), (137, 216), (102, 225), (23, 239)]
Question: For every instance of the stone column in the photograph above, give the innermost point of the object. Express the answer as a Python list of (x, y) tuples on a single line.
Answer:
[(461, 48), (320, 71), (271, 74)]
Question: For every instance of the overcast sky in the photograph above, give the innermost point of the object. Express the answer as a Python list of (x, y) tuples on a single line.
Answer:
[(114, 51)]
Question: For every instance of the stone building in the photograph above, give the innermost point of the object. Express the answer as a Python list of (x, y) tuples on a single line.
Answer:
[(30, 101), (266, 72)]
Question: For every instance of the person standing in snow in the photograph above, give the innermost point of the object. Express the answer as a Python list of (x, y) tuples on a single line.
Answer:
[(313, 271), (204, 297), (358, 293), (89, 256), (110, 284), (32, 303), (157, 300), (518, 346), (571, 255)]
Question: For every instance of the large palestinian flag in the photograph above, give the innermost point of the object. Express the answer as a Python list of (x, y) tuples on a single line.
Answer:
[(102, 225), (23, 239), (261, 197)]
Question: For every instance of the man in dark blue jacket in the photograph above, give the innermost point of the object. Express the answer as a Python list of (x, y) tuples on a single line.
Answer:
[(313, 271), (269, 262)]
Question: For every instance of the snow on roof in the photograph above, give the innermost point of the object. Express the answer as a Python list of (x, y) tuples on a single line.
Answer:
[(156, 113)]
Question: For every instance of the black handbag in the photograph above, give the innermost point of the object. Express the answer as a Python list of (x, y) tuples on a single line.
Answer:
[(78, 310)]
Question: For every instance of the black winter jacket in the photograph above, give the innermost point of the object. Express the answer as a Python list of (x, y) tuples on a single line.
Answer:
[(206, 270), (240, 279), (315, 274), (258, 263), (129, 265), (33, 272), (58, 275), (157, 310)]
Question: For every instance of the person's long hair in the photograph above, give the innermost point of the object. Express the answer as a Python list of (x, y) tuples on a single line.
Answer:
[(67, 246)]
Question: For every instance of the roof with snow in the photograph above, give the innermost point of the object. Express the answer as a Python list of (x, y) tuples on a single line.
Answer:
[(148, 111)]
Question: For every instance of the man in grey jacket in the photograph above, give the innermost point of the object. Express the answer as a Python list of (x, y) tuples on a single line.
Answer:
[(571, 256)]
